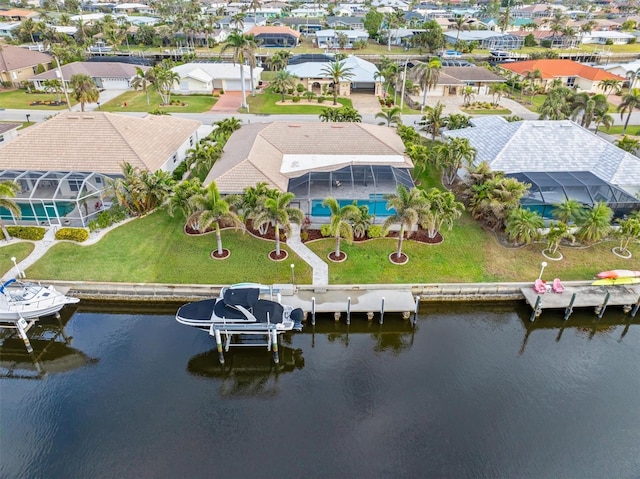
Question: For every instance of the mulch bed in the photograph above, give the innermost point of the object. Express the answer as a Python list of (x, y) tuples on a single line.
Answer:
[(225, 254)]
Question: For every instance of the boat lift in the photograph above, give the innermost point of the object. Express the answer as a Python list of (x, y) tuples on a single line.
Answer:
[(228, 330)]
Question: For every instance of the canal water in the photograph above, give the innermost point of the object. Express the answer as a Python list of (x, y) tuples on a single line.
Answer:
[(473, 391)]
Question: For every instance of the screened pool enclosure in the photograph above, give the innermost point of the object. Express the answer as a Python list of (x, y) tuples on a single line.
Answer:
[(366, 184), (55, 198), (549, 189)]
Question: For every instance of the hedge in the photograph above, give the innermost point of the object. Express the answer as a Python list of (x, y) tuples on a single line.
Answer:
[(73, 234), (34, 233)]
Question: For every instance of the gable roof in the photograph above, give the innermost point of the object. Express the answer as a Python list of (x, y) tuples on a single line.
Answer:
[(472, 74), (208, 71), (362, 70), (15, 58), (94, 70), (255, 31), (97, 142), (560, 68), (546, 145), (275, 152)]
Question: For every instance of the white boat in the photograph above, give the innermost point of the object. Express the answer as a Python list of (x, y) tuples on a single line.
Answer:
[(246, 305), (29, 300)]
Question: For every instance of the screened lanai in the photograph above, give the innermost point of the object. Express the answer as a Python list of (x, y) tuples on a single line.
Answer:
[(367, 184), (55, 198), (549, 189)]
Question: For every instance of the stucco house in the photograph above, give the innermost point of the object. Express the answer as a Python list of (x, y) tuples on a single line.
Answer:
[(572, 74), (106, 75), (365, 76), (63, 164), (314, 160), (207, 77), (20, 64), (331, 38), (269, 36)]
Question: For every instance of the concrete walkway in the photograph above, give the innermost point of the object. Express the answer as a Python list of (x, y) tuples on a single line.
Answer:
[(320, 268)]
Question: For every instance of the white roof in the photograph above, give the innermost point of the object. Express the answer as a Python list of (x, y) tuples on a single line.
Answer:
[(208, 71), (362, 70), (608, 34), (300, 162), (349, 33), (547, 145)]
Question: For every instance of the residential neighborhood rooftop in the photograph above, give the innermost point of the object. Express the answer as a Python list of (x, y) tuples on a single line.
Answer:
[(560, 68)]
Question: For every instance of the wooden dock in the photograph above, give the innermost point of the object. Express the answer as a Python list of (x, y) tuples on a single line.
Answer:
[(597, 297)]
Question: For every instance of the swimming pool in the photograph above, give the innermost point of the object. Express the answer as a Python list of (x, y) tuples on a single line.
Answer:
[(39, 212), (376, 204)]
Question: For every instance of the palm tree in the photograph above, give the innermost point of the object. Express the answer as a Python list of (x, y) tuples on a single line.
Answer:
[(434, 119), (339, 225), (557, 232), (588, 106), (524, 225), (276, 210), (556, 105), (632, 76), (596, 224), (140, 191), (441, 209), (241, 46), (165, 79), (459, 23), (391, 116), (428, 75), (53, 86), (604, 119), (457, 121), (629, 231), (179, 201), (394, 20), (211, 209), (569, 211), (467, 95), (497, 90), (630, 101), (84, 89), (494, 199), (450, 155), (143, 80), (8, 190), (628, 144), (361, 220), (283, 81), (238, 21), (337, 71), (409, 208), (610, 85), (252, 46)]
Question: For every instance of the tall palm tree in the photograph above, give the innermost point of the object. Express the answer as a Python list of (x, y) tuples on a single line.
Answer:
[(632, 76), (588, 106), (610, 85), (165, 79), (84, 89), (391, 116), (628, 144), (9, 190), (276, 210), (557, 232), (361, 220), (409, 209), (459, 23), (393, 20), (434, 120), (450, 156), (180, 196), (428, 75), (630, 101), (211, 209), (252, 60), (497, 91), (337, 71), (143, 80), (441, 209), (596, 224), (524, 225), (494, 199), (283, 81), (241, 47), (629, 231), (604, 119), (339, 225), (568, 211)]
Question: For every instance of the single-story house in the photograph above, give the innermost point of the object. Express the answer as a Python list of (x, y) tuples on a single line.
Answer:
[(351, 23), (486, 39), (7, 29), (312, 11), (365, 76), (453, 79), (315, 160), (303, 25), (602, 37), (20, 64), (62, 165), (400, 36), (133, 7), (106, 75), (572, 74), (18, 14), (623, 69), (329, 38), (207, 77), (275, 36), (8, 131), (563, 147)]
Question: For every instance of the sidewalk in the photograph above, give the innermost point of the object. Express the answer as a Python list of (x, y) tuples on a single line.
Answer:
[(320, 268)]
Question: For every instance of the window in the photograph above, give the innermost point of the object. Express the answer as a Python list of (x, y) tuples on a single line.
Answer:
[(74, 185), (175, 158), (190, 141), (571, 81), (1, 138)]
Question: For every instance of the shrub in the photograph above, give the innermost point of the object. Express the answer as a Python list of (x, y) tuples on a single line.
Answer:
[(375, 231), (321, 99), (34, 233), (73, 234), (299, 87), (118, 213), (609, 42), (104, 219), (325, 230), (304, 235), (180, 170), (93, 225), (295, 99), (222, 92)]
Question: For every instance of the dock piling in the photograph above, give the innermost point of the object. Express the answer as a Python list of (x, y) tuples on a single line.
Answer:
[(21, 326), (537, 310), (349, 310), (219, 346), (382, 311), (601, 308), (276, 356), (635, 309), (415, 311), (569, 310)]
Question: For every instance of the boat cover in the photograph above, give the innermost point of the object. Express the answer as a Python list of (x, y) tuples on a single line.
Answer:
[(245, 297), (198, 311), (225, 311), (265, 309)]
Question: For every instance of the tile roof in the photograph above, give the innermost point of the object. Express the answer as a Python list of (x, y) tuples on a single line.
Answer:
[(94, 70), (97, 142), (475, 74), (7, 126), (560, 68), (361, 70), (546, 145), (256, 152), (15, 58), (283, 30)]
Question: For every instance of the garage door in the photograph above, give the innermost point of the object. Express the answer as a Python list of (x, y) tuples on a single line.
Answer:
[(115, 84), (234, 85)]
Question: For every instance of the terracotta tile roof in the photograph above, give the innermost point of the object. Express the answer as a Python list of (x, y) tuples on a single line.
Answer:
[(18, 12), (255, 31), (97, 142), (15, 58), (560, 68), (256, 152)]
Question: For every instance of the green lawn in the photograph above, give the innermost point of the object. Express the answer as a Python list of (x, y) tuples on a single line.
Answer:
[(617, 130), (137, 101), (265, 104), (154, 249), (21, 100), (498, 111), (13, 250)]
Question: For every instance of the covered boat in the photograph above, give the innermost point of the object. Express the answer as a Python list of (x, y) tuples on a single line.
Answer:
[(29, 300)]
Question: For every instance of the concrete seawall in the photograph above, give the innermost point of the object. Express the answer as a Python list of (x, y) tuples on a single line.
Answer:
[(428, 292)]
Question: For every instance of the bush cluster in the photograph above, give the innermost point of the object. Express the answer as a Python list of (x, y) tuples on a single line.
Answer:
[(73, 234), (34, 233), (325, 230), (106, 218), (375, 231)]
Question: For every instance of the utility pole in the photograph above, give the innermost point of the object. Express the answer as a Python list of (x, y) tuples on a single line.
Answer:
[(64, 86), (404, 82)]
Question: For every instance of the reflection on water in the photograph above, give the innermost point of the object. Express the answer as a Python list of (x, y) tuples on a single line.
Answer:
[(472, 391), (52, 352)]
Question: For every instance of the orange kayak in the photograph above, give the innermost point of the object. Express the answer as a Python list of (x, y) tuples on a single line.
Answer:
[(619, 273)]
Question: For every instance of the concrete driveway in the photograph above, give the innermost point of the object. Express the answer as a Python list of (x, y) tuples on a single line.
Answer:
[(229, 102), (365, 103)]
